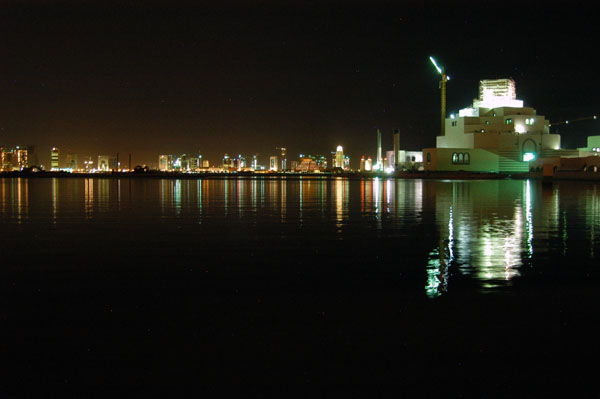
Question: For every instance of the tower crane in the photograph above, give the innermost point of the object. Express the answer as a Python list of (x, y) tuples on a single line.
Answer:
[(444, 78)]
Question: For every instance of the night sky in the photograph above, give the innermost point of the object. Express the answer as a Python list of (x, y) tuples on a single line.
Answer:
[(246, 77)]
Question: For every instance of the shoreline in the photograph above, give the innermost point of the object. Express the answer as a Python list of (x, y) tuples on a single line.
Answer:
[(433, 175)]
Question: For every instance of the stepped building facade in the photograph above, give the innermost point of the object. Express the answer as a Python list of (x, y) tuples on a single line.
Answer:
[(496, 134)]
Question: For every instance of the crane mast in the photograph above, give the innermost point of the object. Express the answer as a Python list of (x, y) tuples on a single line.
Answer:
[(444, 78)]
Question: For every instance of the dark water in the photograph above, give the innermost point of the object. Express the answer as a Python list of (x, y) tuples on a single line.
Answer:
[(324, 285)]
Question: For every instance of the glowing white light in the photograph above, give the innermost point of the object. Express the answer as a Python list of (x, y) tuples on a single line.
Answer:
[(452, 116), (528, 156), (435, 65), (519, 128)]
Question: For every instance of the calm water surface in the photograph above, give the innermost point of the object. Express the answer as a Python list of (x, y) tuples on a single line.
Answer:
[(484, 234), (450, 288)]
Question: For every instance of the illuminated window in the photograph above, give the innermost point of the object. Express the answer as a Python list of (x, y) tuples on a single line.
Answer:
[(455, 158), (467, 159), (487, 123), (509, 121), (529, 121)]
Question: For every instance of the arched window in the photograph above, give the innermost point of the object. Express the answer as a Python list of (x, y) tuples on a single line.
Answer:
[(455, 158), (460, 158), (467, 158)]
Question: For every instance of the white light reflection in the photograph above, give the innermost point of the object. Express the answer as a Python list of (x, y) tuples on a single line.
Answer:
[(529, 217)]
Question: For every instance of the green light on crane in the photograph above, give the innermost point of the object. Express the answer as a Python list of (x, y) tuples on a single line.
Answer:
[(435, 65)]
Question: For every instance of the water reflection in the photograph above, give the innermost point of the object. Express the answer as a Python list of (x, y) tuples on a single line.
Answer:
[(487, 232)]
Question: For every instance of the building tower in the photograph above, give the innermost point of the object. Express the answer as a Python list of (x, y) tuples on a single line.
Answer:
[(273, 163), (54, 153), (339, 157), (396, 147), (379, 158)]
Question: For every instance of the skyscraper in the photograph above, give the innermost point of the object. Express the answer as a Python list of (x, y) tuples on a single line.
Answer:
[(72, 161), (339, 157), (54, 155), (273, 160), (163, 163)]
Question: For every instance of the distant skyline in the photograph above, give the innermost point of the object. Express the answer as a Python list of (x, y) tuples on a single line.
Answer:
[(238, 77)]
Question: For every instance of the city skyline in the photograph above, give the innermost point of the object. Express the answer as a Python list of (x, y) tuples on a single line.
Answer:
[(240, 79)]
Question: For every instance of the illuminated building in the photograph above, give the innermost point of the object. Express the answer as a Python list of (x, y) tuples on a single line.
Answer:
[(339, 157), (71, 161), (254, 162), (273, 163), (107, 163), (346, 162), (362, 164), (307, 165), (241, 162), (88, 164), (193, 163), (321, 162), (496, 134), (163, 163), (368, 164), (227, 163), (283, 158), (54, 156), (205, 163), (6, 159)]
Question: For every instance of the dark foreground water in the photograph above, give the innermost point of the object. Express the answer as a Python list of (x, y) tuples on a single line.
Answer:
[(302, 287)]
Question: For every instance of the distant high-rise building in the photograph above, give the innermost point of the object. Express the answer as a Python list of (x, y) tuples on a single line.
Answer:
[(241, 162), (193, 163), (283, 158), (88, 164), (369, 164), (21, 158), (273, 163), (321, 161), (107, 163), (163, 163), (205, 163), (362, 163), (339, 157), (7, 159), (254, 162), (227, 163), (346, 162), (71, 161), (54, 158)]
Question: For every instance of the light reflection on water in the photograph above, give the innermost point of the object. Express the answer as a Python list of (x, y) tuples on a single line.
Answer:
[(489, 231)]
